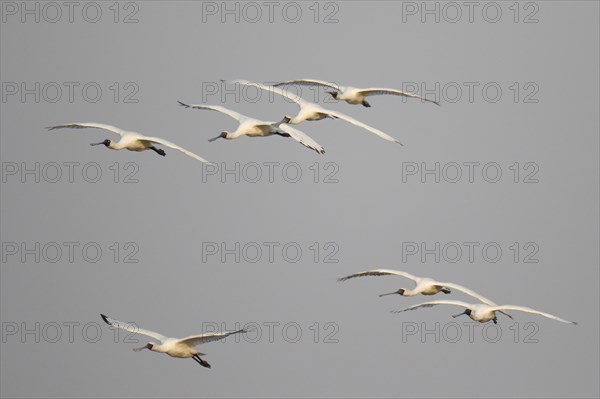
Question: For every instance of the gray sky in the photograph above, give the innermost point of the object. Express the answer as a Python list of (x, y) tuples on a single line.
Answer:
[(520, 98)]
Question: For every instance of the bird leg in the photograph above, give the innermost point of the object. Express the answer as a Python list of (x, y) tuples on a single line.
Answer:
[(365, 103), (495, 320), (200, 361), (445, 290), (159, 151)]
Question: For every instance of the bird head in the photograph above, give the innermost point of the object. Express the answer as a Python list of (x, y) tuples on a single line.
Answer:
[(149, 345), (399, 292), (106, 142), (467, 312), (223, 135)]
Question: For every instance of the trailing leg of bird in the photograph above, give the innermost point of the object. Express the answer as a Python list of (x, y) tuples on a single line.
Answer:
[(159, 151)]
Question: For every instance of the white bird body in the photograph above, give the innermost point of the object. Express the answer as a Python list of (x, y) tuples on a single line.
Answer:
[(352, 95), (131, 141), (174, 347), (252, 127), (310, 111), (423, 285), (483, 312)]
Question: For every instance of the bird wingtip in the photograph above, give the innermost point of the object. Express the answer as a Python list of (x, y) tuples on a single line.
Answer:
[(104, 318), (183, 104)]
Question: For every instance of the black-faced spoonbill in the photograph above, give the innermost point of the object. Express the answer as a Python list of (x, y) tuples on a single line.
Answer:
[(313, 112), (482, 312), (256, 128), (131, 141), (353, 95), (174, 347)]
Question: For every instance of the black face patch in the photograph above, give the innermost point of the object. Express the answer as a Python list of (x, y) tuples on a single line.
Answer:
[(106, 142), (468, 312)]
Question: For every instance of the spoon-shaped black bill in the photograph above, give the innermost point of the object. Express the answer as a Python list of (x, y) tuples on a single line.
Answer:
[(223, 135), (147, 346), (460, 314)]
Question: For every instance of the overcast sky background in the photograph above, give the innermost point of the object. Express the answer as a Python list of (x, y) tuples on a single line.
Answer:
[(366, 218)]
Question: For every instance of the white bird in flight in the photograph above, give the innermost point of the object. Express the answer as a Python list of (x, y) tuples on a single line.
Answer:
[(423, 285), (482, 312), (353, 95), (310, 111), (256, 128), (174, 347), (131, 141)]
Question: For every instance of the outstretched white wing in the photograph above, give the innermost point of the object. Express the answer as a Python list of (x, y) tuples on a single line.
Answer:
[(394, 92), (272, 89), (309, 82), (380, 272), (132, 328), (166, 143), (529, 310), (360, 124), (467, 291), (302, 138), (434, 303), (208, 337), (102, 126), (235, 115)]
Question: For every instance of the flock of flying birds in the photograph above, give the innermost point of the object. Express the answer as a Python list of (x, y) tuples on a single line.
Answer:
[(251, 127), (483, 312)]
